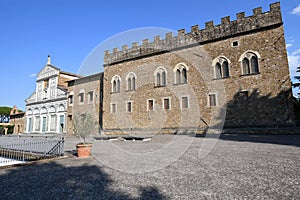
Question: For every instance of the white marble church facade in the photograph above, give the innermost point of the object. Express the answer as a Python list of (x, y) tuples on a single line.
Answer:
[(46, 108)]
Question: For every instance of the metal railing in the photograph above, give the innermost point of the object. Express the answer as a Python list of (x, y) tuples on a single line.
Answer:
[(23, 149)]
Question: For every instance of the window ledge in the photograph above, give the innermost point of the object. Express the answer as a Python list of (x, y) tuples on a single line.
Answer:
[(250, 74), (130, 90), (159, 86), (180, 83), (115, 92), (222, 78)]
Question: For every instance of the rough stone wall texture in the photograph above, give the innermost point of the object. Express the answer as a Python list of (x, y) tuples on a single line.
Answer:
[(226, 29), (18, 122), (92, 108), (63, 81), (269, 92), (70, 128)]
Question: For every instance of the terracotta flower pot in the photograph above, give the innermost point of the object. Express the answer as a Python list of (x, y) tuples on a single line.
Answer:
[(84, 150)]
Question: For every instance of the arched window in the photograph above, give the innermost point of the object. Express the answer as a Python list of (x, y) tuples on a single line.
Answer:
[(178, 76), (129, 84), (160, 77), (116, 84), (246, 67), (163, 78), (250, 64), (221, 67), (133, 83), (180, 73), (225, 69), (131, 79), (254, 65), (184, 76), (218, 71)]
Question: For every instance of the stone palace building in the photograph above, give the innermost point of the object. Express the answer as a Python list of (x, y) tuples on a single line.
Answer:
[(234, 75)]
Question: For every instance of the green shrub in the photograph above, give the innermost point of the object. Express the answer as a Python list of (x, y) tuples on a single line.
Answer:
[(10, 130)]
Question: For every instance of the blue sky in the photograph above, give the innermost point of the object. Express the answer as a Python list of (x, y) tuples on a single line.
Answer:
[(69, 30)]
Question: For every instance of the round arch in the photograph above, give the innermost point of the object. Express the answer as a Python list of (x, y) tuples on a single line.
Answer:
[(36, 111), (246, 53), (115, 77), (44, 110), (160, 69), (29, 112), (52, 109), (61, 108), (220, 59), (180, 66)]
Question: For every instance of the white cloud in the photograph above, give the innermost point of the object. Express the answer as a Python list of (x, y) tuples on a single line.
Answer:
[(288, 45), (32, 75), (294, 62), (294, 53), (296, 11)]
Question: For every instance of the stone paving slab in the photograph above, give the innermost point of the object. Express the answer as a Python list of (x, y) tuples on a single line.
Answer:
[(237, 167)]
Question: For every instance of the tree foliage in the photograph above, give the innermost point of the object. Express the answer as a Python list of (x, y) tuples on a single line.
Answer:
[(10, 129), (296, 103), (83, 125), (4, 114), (298, 78), (4, 110)]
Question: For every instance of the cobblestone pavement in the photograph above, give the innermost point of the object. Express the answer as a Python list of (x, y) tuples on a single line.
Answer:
[(238, 167)]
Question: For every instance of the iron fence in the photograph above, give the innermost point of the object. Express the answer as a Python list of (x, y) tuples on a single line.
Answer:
[(23, 149)]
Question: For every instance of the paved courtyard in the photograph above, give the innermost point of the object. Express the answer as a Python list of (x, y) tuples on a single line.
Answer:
[(167, 167)]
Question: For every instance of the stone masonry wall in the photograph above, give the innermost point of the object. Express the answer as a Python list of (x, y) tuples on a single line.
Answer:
[(268, 99), (85, 85), (226, 29), (69, 117), (63, 81)]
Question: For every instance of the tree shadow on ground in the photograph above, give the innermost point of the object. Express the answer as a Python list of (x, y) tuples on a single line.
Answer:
[(253, 110), (263, 116), (55, 181)]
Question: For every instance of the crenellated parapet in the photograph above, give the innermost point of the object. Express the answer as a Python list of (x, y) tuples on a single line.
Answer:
[(227, 28)]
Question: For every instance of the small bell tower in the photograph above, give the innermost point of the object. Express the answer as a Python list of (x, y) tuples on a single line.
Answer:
[(49, 60)]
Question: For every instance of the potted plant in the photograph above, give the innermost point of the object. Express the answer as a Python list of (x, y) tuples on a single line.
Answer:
[(83, 125)]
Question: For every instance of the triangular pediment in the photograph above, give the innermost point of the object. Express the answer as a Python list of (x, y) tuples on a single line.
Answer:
[(31, 98), (48, 71)]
